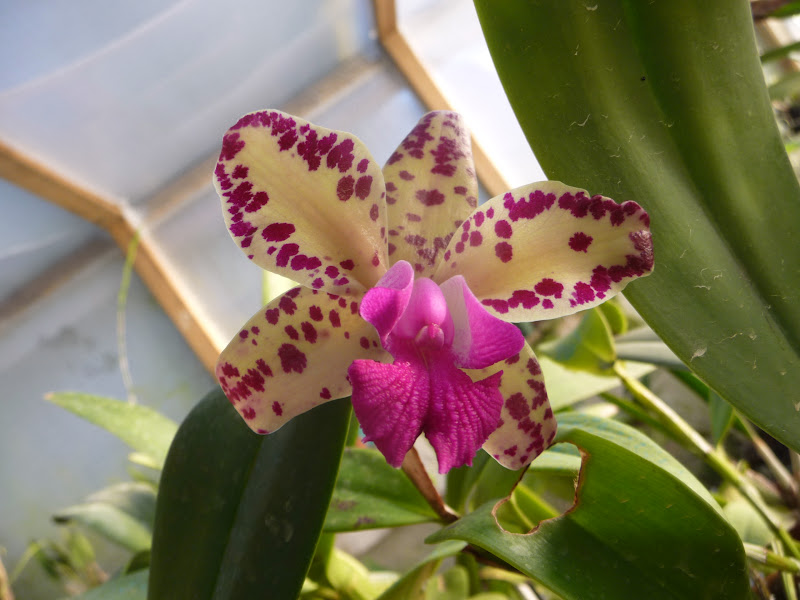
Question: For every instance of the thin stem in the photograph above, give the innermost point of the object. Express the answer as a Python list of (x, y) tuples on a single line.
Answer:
[(5, 586), (122, 301), (782, 476), (716, 458), (414, 469), (786, 578), (763, 556)]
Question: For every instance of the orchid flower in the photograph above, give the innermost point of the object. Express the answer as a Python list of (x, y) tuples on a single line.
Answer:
[(408, 289)]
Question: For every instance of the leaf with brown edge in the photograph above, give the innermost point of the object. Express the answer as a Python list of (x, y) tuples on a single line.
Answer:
[(641, 526)]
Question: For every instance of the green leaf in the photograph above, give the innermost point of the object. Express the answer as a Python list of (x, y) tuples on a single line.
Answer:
[(642, 526), (127, 587), (412, 584), (721, 416), (665, 103), (566, 386), (122, 513), (590, 347), (786, 87), (140, 427), (239, 514), (369, 493), (615, 316), (777, 53)]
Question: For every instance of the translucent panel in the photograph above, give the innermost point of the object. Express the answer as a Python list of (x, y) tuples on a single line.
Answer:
[(67, 341), (463, 69), (126, 113), (34, 234)]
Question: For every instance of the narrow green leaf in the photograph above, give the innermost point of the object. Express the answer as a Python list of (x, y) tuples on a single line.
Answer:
[(721, 416), (140, 427), (778, 53), (590, 347), (787, 87), (665, 103), (127, 587), (566, 386), (412, 584), (238, 514), (642, 527), (122, 513), (369, 493)]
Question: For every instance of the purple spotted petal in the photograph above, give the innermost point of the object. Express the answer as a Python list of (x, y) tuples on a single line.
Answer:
[(304, 201), (384, 304), (463, 414), (430, 189), (527, 426), (292, 355), (480, 339), (391, 402), (547, 250)]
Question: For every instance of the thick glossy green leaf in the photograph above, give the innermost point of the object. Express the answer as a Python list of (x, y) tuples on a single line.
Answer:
[(370, 493), (665, 103), (127, 587), (238, 514), (140, 427), (641, 527), (122, 513)]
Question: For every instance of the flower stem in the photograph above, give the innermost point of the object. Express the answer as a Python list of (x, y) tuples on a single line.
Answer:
[(762, 556), (414, 469), (716, 458)]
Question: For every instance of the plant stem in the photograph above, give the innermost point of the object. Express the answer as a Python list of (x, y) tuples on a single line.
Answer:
[(783, 478), (763, 556), (414, 469), (5, 586), (716, 458)]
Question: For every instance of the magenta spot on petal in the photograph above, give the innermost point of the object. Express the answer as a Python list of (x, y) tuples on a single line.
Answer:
[(277, 232), (391, 187), (580, 242), (517, 407), (331, 271), (362, 165), (503, 229), (353, 307), (549, 287), (413, 217), (341, 156), (291, 358), (406, 176), (286, 252), (364, 186), (229, 370), (315, 312), (375, 260), (334, 318), (459, 247), (524, 297), (500, 306), (391, 248), (249, 413), (430, 197), (259, 200), (255, 330), (478, 216), (373, 212), (276, 408), (240, 172), (475, 238), (364, 343), (504, 251), (243, 334), (460, 190), (242, 228), (490, 213), (299, 262), (317, 283), (343, 302), (309, 332), (344, 189), (583, 293), (231, 145), (536, 204), (347, 265), (287, 305), (325, 394), (601, 282), (263, 367), (291, 332), (547, 303), (272, 315)]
